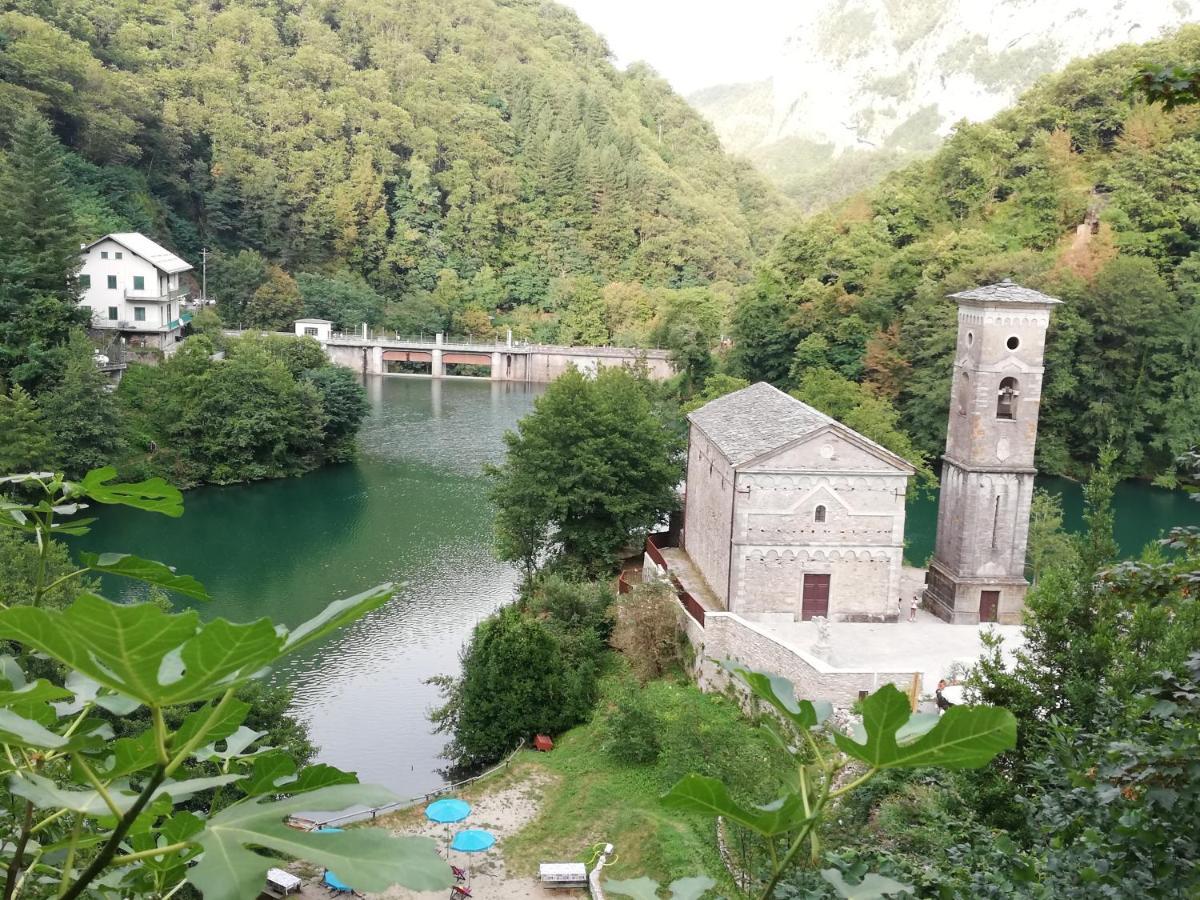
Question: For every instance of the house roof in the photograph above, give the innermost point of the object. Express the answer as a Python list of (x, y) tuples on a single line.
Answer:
[(1006, 292), (760, 418), (313, 322), (154, 253)]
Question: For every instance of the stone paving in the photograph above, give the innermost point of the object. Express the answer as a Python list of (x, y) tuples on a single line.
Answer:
[(929, 645)]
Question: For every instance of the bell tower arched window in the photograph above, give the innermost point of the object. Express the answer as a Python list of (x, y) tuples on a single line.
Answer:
[(819, 514), (964, 393), (1006, 399)]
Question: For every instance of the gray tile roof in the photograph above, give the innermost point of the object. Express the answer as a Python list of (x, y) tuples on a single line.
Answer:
[(1005, 292), (756, 420)]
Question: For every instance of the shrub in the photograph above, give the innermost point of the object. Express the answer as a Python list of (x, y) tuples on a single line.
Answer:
[(647, 630), (631, 727), (573, 605)]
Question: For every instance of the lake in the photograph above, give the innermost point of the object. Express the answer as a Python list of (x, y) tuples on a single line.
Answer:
[(412, 509)]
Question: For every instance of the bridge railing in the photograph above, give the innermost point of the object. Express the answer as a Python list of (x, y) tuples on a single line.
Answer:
[(426, 340)]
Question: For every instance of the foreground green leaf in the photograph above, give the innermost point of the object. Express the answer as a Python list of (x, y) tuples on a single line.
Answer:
[(369, 859), (872, 887), (152, 495), (142, 652), (692, 888), (339, 614), (638, 888), (781, 694), (698, 793), (146, 570), (966, 737)]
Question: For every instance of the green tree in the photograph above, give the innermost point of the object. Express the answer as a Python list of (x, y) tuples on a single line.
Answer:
[(344, 404), (248, 418), (516, 682), (344, 299), (27, 438), (587, 471), (233, 279), (39, 255), (276, 303), (80, 404), (1049, 543), (891, 738), (762, 339)]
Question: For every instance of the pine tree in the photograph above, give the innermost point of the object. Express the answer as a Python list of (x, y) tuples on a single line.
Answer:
[(26, 444), (81, 412), (39, 255)]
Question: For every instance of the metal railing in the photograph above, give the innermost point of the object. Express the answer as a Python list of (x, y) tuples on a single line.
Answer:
[(133, 325), (374, 811), (141, 297)]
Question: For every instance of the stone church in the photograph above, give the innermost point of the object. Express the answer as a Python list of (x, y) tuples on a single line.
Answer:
[(789, 512)]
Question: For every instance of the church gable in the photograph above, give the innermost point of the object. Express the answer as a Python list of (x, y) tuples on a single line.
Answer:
[(833, 448)]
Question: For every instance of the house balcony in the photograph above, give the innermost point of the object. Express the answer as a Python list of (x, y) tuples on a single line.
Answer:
[(180, 294), (103, 322)]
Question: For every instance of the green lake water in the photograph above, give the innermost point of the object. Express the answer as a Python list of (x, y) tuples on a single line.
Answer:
[(411, 509)]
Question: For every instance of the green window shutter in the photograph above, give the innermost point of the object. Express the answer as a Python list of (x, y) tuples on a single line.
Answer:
[(112, 282), (112, 313), (139, 283), (139, 314), (85, 282)]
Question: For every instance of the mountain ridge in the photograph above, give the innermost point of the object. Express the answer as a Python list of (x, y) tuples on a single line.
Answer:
[(892, 78)]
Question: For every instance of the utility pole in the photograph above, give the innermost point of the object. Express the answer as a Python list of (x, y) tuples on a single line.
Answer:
[(204, 276)]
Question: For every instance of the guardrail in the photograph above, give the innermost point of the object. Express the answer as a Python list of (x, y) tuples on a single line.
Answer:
[(693, 606), (371, 813)]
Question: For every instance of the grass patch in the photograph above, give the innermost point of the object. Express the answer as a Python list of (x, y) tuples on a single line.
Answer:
[(592, 798)]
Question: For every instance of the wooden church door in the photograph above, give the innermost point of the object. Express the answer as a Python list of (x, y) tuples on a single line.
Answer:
[(815, 597)]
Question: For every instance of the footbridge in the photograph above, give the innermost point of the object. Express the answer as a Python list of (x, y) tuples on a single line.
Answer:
[(440, 356)]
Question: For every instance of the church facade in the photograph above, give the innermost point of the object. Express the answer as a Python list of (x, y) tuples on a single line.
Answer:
[(789, 512)]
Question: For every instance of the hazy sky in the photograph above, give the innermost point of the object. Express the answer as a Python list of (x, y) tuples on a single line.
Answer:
[(693, 43)]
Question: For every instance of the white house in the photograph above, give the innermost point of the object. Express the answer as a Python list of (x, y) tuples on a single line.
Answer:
[(791, 512), (132, 286), (314, 328)]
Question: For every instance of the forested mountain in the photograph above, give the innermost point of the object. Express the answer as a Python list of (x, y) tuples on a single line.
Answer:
[(434, 155), (859, 87), (1083, 190)]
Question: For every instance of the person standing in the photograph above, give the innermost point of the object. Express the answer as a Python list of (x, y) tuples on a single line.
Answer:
[(942, 703), (912, 609)]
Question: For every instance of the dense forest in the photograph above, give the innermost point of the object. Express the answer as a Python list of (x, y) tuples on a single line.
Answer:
[(423, 159), (1083, 190)]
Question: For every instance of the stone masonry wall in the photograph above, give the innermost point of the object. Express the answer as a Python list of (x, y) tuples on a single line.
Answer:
[(729, 636)]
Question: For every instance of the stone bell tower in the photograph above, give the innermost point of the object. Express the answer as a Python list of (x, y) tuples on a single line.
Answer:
[(977, 573)]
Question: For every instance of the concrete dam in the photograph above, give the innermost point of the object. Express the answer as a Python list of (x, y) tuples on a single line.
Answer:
[(506, 361)]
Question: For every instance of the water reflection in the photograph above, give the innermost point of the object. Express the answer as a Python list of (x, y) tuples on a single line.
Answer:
[(413, 510)]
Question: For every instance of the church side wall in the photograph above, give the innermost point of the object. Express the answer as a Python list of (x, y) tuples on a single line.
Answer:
[(710, 493)]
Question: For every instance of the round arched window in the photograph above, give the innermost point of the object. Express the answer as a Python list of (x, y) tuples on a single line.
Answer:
[(970, 338), (819, 515)]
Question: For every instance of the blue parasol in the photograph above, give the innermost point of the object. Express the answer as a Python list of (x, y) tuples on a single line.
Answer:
[(329, 878), (448, 810), (473, 840), (335, 883)]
